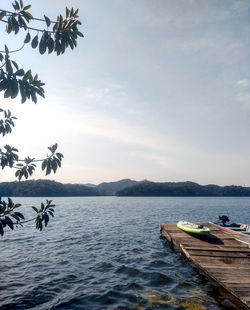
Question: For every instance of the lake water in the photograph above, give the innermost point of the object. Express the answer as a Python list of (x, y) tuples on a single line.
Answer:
[(106, 253)]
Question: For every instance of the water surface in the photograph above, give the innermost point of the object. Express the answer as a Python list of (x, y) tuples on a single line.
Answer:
[(106, 253)]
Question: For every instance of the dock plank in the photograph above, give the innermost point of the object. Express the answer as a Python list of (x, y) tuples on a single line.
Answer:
[(219, 256)]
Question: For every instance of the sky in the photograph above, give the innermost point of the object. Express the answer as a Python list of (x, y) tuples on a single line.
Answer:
[(156, 90)]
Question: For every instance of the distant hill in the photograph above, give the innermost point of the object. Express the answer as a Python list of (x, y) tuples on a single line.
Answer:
[(89, 185), (112, 187), (182, 189), (125, 187), (44, 188)]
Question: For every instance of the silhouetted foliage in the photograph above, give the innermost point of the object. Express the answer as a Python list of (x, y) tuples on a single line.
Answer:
[(45, 188), (183, 189), (126, 187), (14, 81)]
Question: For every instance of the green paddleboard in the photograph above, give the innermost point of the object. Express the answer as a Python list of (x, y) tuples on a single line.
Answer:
[(193, 228)]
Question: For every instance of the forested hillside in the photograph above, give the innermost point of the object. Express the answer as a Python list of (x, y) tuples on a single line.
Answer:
[(44, 188), (183, 189), (126, 187)]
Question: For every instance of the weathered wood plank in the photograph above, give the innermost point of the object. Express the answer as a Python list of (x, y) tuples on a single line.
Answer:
[(216, 268), (222, 261), (219, 254), (220, 249), (239, 285)]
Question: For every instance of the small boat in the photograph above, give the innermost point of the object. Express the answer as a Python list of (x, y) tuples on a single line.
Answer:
[(193, 228), (236, 229)]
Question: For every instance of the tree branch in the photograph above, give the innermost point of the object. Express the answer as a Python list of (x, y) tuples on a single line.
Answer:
[(30, 28), (34, 18), (12, 52)]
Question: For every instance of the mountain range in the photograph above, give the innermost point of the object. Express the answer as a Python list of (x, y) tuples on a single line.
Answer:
[(125, 187)]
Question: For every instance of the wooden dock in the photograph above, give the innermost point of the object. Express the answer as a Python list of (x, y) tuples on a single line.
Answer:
[(218, 256)]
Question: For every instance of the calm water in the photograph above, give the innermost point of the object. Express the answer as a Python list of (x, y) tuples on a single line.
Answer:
[(106, 253)]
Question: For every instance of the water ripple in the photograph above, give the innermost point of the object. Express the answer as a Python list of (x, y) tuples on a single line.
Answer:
[(105, 253)]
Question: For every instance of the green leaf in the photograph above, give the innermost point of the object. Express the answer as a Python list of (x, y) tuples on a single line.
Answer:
[(34, 42), (54, 147), (46, 219), (27, 16), (27, 7), (27, 75), (28, 37), (17, 205), (19, 214), (21, 4), (34, 208), (14, 88), (19, 72), (22, 90), (22, 22), (76, 12), (51, 213), (14, 6), (15, 24), (42, 45), (67, 12), (15, 217), (39, 92), (39, 224), (60, 156), (54, 166), (17, 5), (6, 49), (9, 222), (15, 64), (79, 34), (10, 202), (44, 164), (50, 45), (8, 66), (47, 20), (26, 174), (58, 162), (48, 169), (60, 22), (1, 229), (33, 96), (42, 206), (71, 43)]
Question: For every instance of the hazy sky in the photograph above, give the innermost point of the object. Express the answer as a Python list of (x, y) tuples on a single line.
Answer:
[(156, 90)]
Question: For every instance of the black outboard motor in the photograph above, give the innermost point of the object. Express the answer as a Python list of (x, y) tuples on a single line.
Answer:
[(224, 219)]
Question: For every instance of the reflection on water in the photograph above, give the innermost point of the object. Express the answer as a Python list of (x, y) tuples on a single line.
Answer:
[(105, 253)]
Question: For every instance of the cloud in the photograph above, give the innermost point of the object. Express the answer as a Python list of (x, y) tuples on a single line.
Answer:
[(243, 97), (244, 83)]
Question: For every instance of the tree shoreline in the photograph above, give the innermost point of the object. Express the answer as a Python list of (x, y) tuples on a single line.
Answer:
[(122, 188)]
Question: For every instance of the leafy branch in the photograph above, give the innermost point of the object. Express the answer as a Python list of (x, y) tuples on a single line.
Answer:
[(14, 80), (25, 167), (56, 38), (64, 32), (10, 217), (7, 122)]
